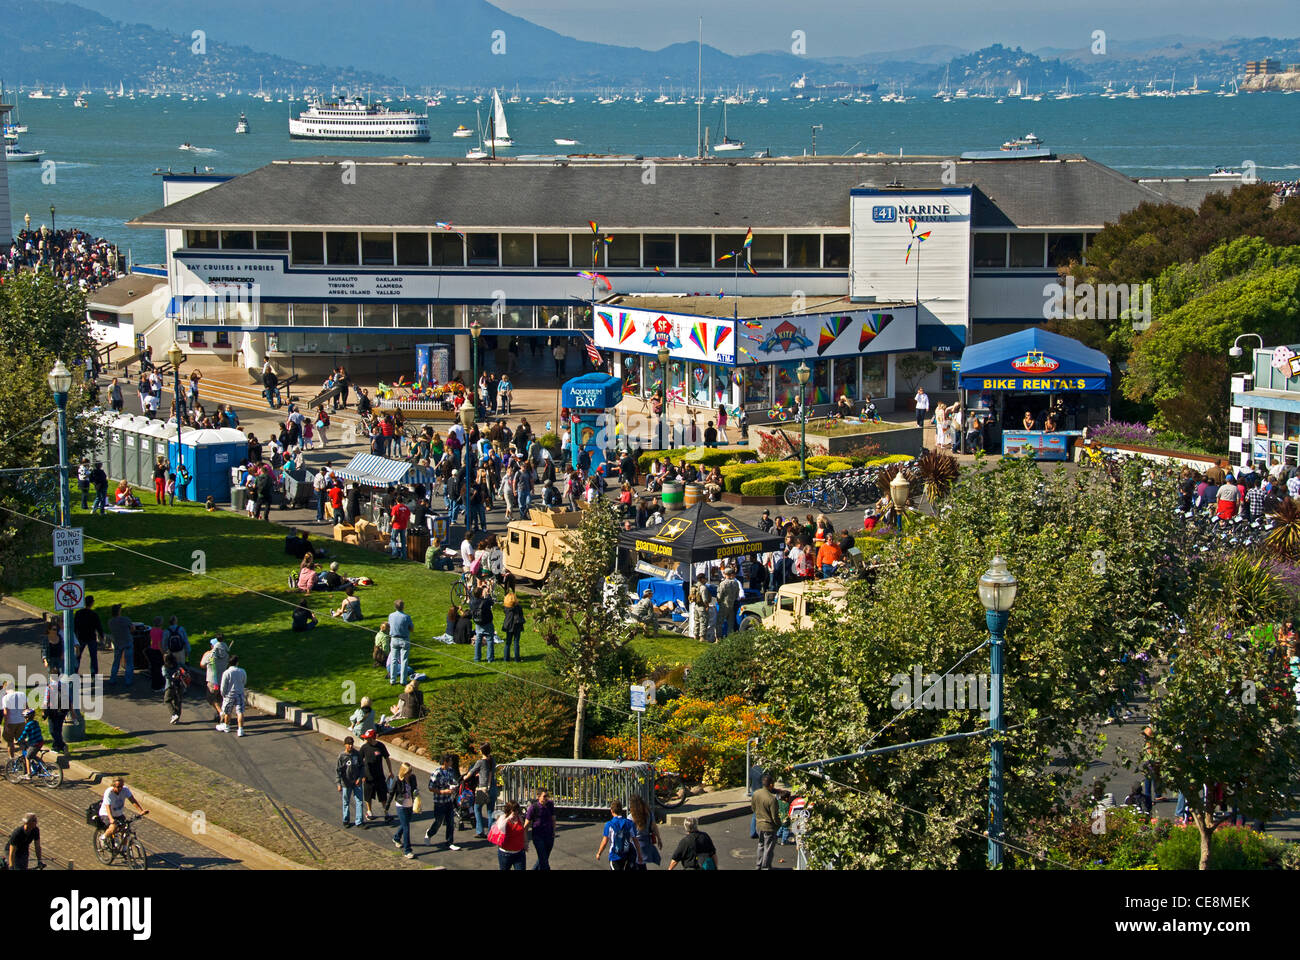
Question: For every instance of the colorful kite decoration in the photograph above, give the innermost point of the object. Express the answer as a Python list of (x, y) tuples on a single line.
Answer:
[(595, 229), (753, 324), (871, 326), (596, 278), (444, 225), (699, 336), (719, 293), (756, 339), (626, 326), (749, 238), (720, 334), (917, 239), (658, 271), (727, 256), (831, 331), (608, 320), (750, 267)]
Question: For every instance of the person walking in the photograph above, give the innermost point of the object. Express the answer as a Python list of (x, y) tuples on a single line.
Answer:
[(619, 837), (399, 630), (233, 682), (99, 480), (922, 401), (767, 820), (485, 797), (695, 851), (350, 772), (176, 680), (541, 820), (215, 660), (115, 396), (155, 655), (444, 785), (89, 631), (379, 767), (270, 386), (648, 840), (58, 700), (512, 624), (27, 835), (83, 482), (406, 799), (511, 838), (119, 629), (401, 515)]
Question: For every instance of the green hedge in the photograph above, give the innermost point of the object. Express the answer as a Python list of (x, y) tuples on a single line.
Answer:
[(1231, 848), (735, 476), (700, 456)]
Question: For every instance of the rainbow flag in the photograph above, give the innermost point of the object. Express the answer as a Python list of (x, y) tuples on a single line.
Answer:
[(658, 271), (750, 267), (727, 256), (749, 238), (595, 229)]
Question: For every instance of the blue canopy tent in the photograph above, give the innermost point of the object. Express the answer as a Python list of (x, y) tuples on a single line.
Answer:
[(588, 398), (1034, 371)]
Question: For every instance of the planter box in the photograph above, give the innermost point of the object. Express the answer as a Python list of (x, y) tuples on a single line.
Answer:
[(905, 438), (1198, 461)]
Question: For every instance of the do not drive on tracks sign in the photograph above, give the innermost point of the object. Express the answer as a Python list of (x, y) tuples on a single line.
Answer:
[(69, 546), (69, 594)]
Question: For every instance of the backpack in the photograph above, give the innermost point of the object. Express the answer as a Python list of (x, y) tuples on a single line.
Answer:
[(618, 843), (92, 814), (174, 642)]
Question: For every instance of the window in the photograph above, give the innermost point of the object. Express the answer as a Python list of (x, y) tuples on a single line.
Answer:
[(724, 243), (201, 239), (1026, 249), (413, 249), (835, 251), (990, 250), (223, 339), (701, 384), (875, 380), (552, 249), (803, 250), (1063, 248), (377, 249), (412, 315), (272, 240), (376, 314), (660, 249), (236, 239), (448, 250), (756, 386), (516, 249), (768, 250), (104, 318), (308, 249), (308, 315), (197, 339), (444, 316), (582, 250), (623, 251), (341, 314), (844, 374), (695, 249), (341, 249), (631, 368), (785, 603), (274, 314), (483, 249)]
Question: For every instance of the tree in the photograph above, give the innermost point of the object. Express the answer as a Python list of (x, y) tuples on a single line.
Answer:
[(572, 616), (1228, 714), (1102, 565), (39, 314), (912, 368)]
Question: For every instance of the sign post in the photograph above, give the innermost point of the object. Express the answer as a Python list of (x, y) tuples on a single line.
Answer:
[(69, 547), (69, 595), (638, 705)]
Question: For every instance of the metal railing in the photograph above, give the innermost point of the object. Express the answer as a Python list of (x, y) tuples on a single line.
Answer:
[(578, 784)]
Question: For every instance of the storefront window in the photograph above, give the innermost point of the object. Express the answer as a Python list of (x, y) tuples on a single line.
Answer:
[(768, 250), (308, 249), (819, 383), (341, 314), (874, 379), (677, 380), (787, 385), (376, 314), (412, 315), (623, 251), (377, 249), (448, 249), (660, 249), (308, 315), (755, 383), (695, 249), (654, 377), (728, 243), (804, 250), (413, 249), (701, 375), (845, 383), (631, 375), (483, 250), (516, 249), (341, 249), (552, 249), (445, 316), (553, 317), (835, 251)]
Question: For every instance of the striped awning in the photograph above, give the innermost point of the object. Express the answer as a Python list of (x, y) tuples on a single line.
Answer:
[(372, 471)]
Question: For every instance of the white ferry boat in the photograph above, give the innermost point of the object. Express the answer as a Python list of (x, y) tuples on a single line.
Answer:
[(358, 120), (1028, 142), (14, 155), (242, 125)]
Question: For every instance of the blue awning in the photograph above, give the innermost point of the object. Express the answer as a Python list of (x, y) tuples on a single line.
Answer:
[(1034, 360), (372, 471)]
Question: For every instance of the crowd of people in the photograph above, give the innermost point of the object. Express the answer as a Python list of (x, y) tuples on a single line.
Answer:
[(1248, 493), (74, 256)]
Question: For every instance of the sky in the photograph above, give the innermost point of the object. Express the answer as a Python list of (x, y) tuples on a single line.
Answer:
[(853, 27)]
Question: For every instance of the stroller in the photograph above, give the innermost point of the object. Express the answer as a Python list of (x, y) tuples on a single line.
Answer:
[(465, 806)]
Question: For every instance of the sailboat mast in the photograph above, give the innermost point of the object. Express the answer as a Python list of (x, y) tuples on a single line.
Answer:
[(699, 83)]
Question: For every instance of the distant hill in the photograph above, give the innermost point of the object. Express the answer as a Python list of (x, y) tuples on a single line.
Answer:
[(62, 43), (1211, 62), (1000, 67)]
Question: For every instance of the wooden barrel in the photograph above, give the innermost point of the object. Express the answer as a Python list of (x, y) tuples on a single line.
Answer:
[(692, 495), (417, 542), (671, 495)]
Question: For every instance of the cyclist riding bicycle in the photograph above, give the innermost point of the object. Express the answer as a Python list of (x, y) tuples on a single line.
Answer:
[(31, 740), (112, 808)]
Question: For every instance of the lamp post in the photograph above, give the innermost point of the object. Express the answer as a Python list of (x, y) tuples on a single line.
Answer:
[(803, 373), (1235, 351), (997, 590), (176, 356), (900, 491), (51, 218), (27, 222), (663, 391), (60, 381), (469, 411)]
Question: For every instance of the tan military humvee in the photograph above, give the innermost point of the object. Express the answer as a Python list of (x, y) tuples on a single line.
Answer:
[(532, 546), (793, 605)]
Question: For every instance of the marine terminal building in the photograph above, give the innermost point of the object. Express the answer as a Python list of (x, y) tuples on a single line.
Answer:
[(854, 261)]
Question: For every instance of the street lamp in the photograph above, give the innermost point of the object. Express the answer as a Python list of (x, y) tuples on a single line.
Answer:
[(60, 381), (803, 373), (1236, 351), (176, 356), (469, 410), (997, 590), (663, 391), (51, 218), (27, 221), (900, 491)]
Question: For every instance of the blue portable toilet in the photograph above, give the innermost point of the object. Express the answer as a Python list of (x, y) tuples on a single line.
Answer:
[(589, 398), (209, 455)]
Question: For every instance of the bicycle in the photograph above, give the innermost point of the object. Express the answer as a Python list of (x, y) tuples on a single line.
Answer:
[(48, 775), (826, 497), (460, 592), (123, 843), (670, 788)]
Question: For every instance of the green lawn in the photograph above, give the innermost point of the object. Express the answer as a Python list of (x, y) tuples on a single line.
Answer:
[(325, 670), (838, 428)]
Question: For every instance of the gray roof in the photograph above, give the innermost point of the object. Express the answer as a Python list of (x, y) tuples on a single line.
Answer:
[(551, 193), (1191, 191)]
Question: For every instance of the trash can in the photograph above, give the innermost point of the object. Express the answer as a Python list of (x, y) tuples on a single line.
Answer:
[(672, 496), (239, 498), (417, 542), (692, 495)]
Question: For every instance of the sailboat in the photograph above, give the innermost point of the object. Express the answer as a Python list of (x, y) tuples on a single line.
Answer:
[(500, 133), (727, 143), (477, 153), (942, 92)]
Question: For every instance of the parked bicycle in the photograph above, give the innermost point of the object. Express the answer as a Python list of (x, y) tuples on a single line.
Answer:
[(460, 590), (123, 843), (45, 773), (670, 788), (826, 497)]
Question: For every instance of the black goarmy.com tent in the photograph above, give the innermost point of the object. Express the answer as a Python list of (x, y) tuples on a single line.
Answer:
[(698, 536)]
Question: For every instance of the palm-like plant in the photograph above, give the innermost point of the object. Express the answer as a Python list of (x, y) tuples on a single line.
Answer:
[(938, 471), (1283, 541)]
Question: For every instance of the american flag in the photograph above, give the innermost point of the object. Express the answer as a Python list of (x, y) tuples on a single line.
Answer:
[(593, 352)]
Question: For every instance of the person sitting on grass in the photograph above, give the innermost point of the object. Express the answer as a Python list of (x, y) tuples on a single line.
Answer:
[(307, 575), (453, 617), (298, 546), (124, 498), (303, 619), (410, 705), (349, 610)]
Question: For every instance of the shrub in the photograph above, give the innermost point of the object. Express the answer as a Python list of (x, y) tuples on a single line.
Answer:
[(1231, 848), (701, 456), (519, 719), (830, 464), (552, 443), (728, 668), (1118, 431), (863, 452), (1129, 841)]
